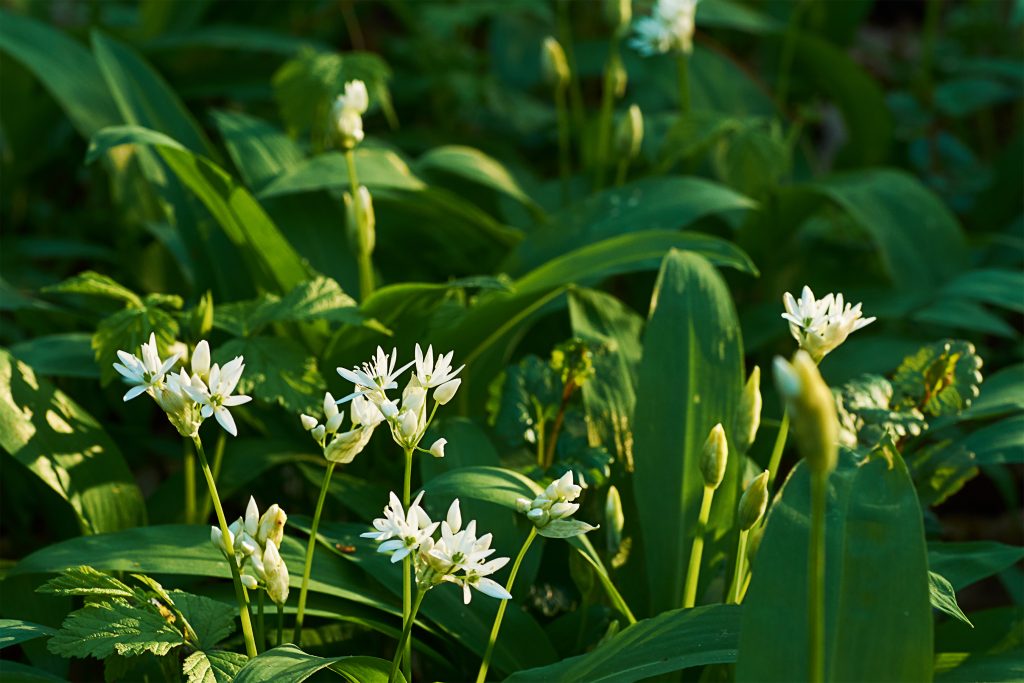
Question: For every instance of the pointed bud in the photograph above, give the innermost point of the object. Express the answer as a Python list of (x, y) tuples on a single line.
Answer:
[(454, 518), (201, 359), (618, 13), (538, 516), (249, 581), (437, 448), (522, 505), (748, 413), (446, 391), (360, 220), (276, 572), (813, 410), (318, 433), (272, 525), (388, 409), (202, 316), (714, 457), (614, 519), (308, 422), (334, 424), (630, 133), (252, 517), (554, 64), (330, 406), (619, 77), (754, 502), (408, 423), (563, 510)]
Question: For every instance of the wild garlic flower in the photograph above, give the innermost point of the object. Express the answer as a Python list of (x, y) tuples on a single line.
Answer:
[(214, 396), (431, 373), (147, 374), (343, 447), (669, 28), (400, 531), (255, 541), (460, 550), (554, 503), (820, 325), (347, 113), (374, 378)]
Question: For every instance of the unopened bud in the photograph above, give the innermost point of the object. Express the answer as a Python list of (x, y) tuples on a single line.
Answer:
[(276, 572), (308, 422), (252, 517), (408, 423), (360, 220), (812, 409), (563, 510), (437, 449), (748, 413), (630, 134), (272, 525), (754, 501), (319, 432), (446, 391), (614, 519), (522, 504), (334, 424), (249, 581), (202, 316), (714, 457), (538, 516), (618, 13), (619, 77), (554, 63)]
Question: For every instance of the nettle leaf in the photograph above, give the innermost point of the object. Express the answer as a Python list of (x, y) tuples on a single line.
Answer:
[(943, 597), (88, 582), (212, 620), (941, 379), (865, 416), (216, 666), (565, 528), (115, 626), (277, 370), (129, 328), (95, 284)]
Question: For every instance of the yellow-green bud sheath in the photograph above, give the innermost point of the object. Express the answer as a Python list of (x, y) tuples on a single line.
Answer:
[(714, 457), (630, 134), (618, 13), (554, 63), (754, 502), (813, 410), (748, 413), (614, 519)]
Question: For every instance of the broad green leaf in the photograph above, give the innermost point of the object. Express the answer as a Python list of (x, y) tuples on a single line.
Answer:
[(215, 666), (289, 664), (610, 395), (44, 430), (674, 640), (964, 667), (376, 168), (943, 597), (999, 443), (59, 355), (652, 204), (95, 284), (260, 151), (475, 166), (1000, 395), (690, 378), (65, 68), (14, 631), (111, 626), (966, 563), (991, 286), (277, 370), (23, 673), (734, 15), (212, 620), (962, 314), (87, 582), (107, 139), (492, 484), (919, 239), (232, 37), (876, 580)]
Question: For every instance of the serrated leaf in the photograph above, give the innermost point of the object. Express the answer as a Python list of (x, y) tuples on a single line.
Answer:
[(216, 666), (86, 581), (212, 620), (95, 284), (940, 379), (127, 330), (277, 370), (943, 597), (865, 417), (101, 629), (565, 528)]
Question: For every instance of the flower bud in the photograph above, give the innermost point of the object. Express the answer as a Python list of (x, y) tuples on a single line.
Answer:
[(414, 396), (330, 406), (437, 449), (334, 424), (249, 581), (276, 572), (446, 391), (563, 510), (618, 13), (201, 360), (813, 411), (614, 519), (619, 77), (252, 517), (349, 126), (318, 433), (388, 409), (202, 316), (714, 457), (272, 525), (217, 538), (554, 64), (630, 133), (538, 516), (522, 505), (408, 423), (308, 422), (748, 413), (754, 502), (360, 220)]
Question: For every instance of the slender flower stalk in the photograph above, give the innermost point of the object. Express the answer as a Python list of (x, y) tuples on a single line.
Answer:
[(557, 74), (280, 626), (310, 548), (363, 247), (405, 642), (751, 510), (408, 612), (683, 69), (714, 459), (218, 462), (778, 448), (481, 675), (189, 472), (604, 121)]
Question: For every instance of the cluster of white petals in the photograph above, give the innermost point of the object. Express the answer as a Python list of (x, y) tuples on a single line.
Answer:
[(188, 399), (556, 502), (820, 325), (255, 542), (669, 28), (458, 556), (342, 447), (347, 113)]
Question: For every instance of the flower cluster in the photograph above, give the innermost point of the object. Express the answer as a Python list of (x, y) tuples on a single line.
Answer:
[(255, 542), (347, 113), (669, 28), (343, 447), (554, 503), (820, 325), (188, 399), (459, 556)]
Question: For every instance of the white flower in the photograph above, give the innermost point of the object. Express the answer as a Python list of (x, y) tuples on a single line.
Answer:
[(437, 448), (669, 28), (820, 325), (146, 374), (432, 374), (356, 97), (554, 503), (400, 531), (374, 377), (215, 398), (347, 113), (446, 391), (365, 412)]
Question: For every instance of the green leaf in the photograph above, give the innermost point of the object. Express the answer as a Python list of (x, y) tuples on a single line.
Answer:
[(289, 664), (260, 151), (95, 284), (107, 139), (492, 484), (652, 204), (865, 416), (87, 582), (998, 443), (59, 355), (966, 563), (101, 629), (47, 432), (277, 370), (729, 14), (942, 378), (232, 37), (963, 667), (939, 470), (1000, 394), (376, 168), (565, 528), (127, 330), (215, 666), (212, 620), (943, 597), (920, 241), (990, 286), (473, 165), (65, 68), (23, 673), (876, 580), (674, 640), (14, 631), (690, 379)]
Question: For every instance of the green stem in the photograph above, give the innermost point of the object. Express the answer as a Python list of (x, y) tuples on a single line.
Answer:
[(280, 625), (693, 571), (788, 50), (404, 642), (565, 38), (739, 574), (564, 162), (604, 121), (189, 472), (933, 13), (310, 547), (684, 83), (243, 606), (816, 580), (218, 461), (482, 674), (261, 631), (620, 173), (408, 613), (777, 449), (365, 262)]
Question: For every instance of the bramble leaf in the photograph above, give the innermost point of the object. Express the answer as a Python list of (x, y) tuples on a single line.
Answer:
[(941, 379), (216, 666), (101, 629), (277, 370), (87, 582), (212, 620)]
